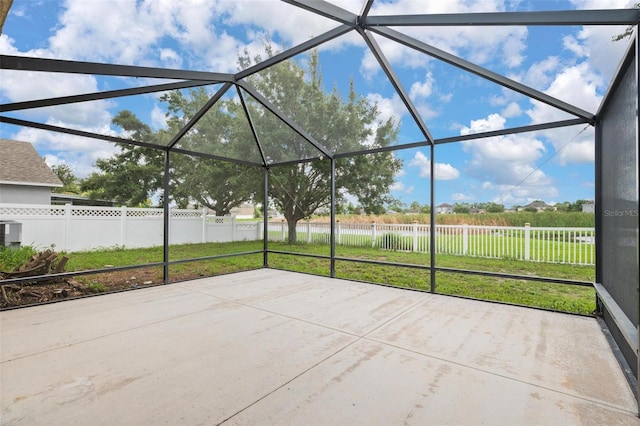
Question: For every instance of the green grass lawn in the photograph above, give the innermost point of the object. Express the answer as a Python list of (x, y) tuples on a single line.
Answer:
[(563, 297)]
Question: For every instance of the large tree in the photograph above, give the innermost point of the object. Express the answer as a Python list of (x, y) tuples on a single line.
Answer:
[(222, 131), (340, 125), (135, 173), (297, 190)]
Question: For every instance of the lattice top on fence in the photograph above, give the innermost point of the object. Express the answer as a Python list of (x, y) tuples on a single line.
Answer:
[(27, 210)]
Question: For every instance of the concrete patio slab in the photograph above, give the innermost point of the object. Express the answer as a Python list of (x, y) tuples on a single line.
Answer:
[(346, 306), (274, 347), (369, 383), (567, 353)]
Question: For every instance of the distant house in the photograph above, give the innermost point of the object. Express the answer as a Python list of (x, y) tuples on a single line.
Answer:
[(444, 208), (79, 200), (24, 176), (537, 205), (243, 211), (477, 211), (589, 208)]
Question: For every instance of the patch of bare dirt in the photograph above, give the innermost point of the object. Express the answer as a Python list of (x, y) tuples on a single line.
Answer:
[(29, 293)]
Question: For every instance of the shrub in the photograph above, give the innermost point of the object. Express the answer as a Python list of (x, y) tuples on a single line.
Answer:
[(391, 241)]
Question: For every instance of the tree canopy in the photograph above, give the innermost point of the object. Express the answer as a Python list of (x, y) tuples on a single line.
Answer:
[(339, 125), (69, 180)]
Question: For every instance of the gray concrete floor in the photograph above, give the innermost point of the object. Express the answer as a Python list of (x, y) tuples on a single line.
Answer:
[(273, 347)]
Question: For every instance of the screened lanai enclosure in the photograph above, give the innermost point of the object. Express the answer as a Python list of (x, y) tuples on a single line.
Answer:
[(289, 130)]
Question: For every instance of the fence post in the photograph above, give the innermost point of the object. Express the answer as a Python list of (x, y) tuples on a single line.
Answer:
[(415, 235), (527, 241), (373, 233), (123, 226), (259, 230), (465, 239), (204, 224), (338, 231), (233, 228), (282, 228), (308, 232), (67, 226)]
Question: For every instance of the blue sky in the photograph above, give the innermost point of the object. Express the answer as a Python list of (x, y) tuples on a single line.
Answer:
[(574, 64)]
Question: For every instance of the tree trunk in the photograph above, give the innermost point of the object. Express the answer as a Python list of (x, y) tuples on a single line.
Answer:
[(293, 232)]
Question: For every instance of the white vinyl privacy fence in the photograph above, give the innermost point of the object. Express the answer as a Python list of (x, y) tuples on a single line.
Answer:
[(79, 228)]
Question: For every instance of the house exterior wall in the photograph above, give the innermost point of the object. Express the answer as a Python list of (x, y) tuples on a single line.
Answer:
[(588, 208), (25, 194)]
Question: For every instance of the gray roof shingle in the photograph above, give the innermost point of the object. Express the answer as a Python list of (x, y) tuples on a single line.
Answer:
[(20, 163)]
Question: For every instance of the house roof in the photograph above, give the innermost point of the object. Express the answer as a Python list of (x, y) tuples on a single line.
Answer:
[(20, 164), (538, 205)]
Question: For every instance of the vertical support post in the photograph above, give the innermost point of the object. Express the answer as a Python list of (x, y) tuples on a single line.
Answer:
[(527, 241), (265, 215), (67, 226), (432, 220), (636, 35), (165, 216), (123, 225), (332, 236), (374, 233), (233, 228), (415, 235), (465, 239), (338, 233), (204, 224)]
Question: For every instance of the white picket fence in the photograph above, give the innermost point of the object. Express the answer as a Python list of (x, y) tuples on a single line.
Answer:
[(79, 228), (553, 245)]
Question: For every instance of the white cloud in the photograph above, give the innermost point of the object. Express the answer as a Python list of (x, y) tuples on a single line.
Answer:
[(158, 118), (603, 4), (151, 32), (422, 89), (570, 43), (482, 45), (20, 86), (78, 152), (387, 107), (521, 194), (458, 196), (401, 187), (506, 163), (443, 171), (540, 74), (170, 58), (580, 80), (578, 85), (511, 110)]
